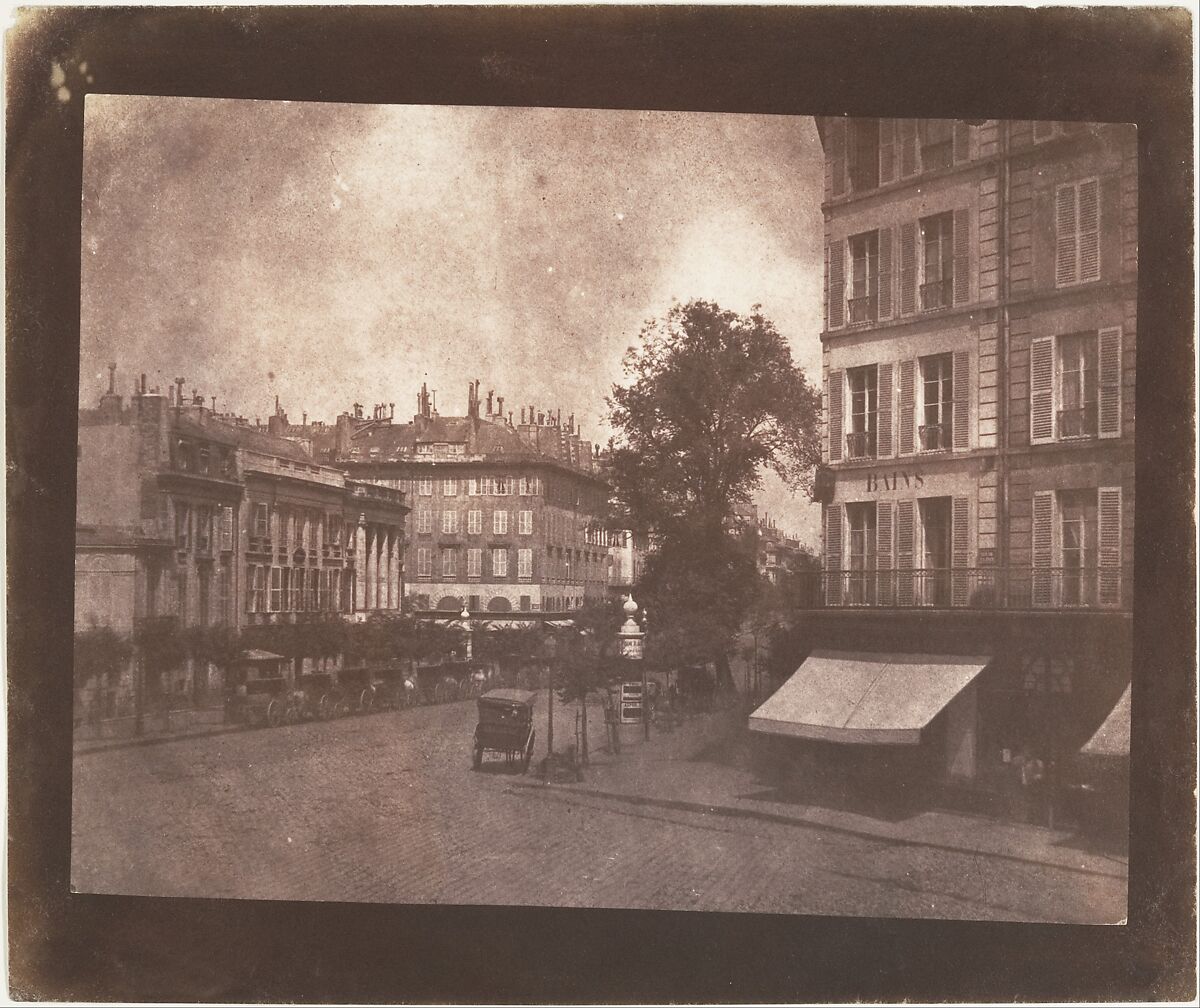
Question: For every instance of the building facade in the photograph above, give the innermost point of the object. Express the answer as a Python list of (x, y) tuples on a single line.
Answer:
[(978, 366), (504, 514)]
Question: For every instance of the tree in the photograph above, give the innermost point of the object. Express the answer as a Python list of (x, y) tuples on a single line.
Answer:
[(219, 645), (587, 658), (100, 654), (713, 400)]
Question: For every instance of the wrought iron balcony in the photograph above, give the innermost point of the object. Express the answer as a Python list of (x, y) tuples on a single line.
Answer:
[(939, 294), (1079, 423), (862, 310), (979, 588), (934, 437), (860, 444)]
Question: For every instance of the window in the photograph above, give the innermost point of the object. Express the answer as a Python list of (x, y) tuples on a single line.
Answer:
[(185, 458), (424, 521), (1078, 385), (525, 564), (525, 603), (474, 522), (937, 143), (257, 578), (1077, 233), (501, 486), (183, 525), (937, 403), (500, 523), (261, 521), (1077, 509), (449, 488), (204, 528), (864, 154), (528, 486), (480, 486), (861, 559), (934, 586), (500, 563), (525, 523), (335, 532), (474, 562), (425, 487), (204, 460), (449, 522), (937, 261), (864, 278), (424, 563), (276, 600), (863, 385), (449, 564)]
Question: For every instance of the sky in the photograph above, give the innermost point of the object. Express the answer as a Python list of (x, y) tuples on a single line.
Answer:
[(330, 254)]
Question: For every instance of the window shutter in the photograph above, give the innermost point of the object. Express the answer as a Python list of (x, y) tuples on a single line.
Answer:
[(837, 156), (1109, 506), (825, 293), (962, 256), (833, 554), (887, 150), (883, 421), (837, 284), (908, 146), (904, 553), (962, 141), (908, 268), (1110, 383), (908, 407), (1043, 548), (960, 552), (835, 416), (1089, 230), (1066, 270), (885, 274), (226, 528), (1041, 390), (962, 400), (883, 551)]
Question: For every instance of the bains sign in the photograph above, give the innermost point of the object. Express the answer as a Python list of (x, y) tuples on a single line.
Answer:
[(896, 480)]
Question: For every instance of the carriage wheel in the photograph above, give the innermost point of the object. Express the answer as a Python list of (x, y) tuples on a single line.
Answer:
[(325, 708), (528, 753), (441, 693), (366, 700), (274, 714)]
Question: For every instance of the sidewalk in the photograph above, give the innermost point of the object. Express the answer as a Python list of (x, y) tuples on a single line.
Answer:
[(692, 769)]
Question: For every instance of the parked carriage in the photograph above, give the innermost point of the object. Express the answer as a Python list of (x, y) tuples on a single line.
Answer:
[(505, 726), (257, 691), (319, 697)]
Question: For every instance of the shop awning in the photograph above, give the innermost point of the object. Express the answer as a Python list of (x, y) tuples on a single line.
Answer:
[(561, 623), (255, 655), (1112, 737), (869, 699)]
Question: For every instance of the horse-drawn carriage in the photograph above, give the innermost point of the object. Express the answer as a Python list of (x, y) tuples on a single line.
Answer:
[(505, 726)]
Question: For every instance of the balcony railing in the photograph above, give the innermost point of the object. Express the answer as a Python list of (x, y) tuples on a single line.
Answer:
[(1078, 423), (862, 309), (980, 588), (938, 294), (860, 444), (934, 437)]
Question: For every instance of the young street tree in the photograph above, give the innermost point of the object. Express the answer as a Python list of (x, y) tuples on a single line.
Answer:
[(712, 400)]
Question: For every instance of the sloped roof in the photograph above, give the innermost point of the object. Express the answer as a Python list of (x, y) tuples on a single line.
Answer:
[(489, 438), (242, 437)]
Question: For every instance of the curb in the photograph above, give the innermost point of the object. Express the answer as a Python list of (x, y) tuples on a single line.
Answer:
[(133, 743), (733, 812)]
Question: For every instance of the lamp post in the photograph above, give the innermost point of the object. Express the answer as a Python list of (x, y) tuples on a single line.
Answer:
[(632, 638), (549, 650), (465, 616)]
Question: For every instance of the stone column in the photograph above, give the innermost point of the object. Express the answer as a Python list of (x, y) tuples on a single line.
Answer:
[(360, 567), (397, 593), (381, 580), (372, 567)]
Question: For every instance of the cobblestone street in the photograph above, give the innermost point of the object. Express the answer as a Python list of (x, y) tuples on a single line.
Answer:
[(384, 808)]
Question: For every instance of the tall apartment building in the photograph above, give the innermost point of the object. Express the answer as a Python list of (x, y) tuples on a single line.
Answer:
[(978, 365), (504, 513)]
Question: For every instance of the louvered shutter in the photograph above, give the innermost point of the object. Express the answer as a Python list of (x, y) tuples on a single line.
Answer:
[(1109, 506), (825, 293), (226, 528), (1066, 268), (833, 554), (962, 141), (885, 274), (908, 407), (908, 268), (1110, 383), (908, 146), (904, 553), (837, 284), (883, 552), (1089, 230), (835, 416), (837, 156), (887, 151), (883, 423), (962, 400), (1043, 549), (1041, 390), (960, 552), (962, 256)]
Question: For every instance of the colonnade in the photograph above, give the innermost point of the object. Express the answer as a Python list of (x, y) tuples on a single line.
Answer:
[(377, 566)]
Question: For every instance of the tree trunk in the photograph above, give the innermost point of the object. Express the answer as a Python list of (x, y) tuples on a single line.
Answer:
[(583, 738), (724, 673)]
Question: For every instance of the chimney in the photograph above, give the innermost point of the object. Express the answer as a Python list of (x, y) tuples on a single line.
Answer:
[(391, 411), (491, 392), (522, 416), (143, 383), (214, 405), (500, 405), (304, 418), (178, 394), (112, 378), (510, 418)]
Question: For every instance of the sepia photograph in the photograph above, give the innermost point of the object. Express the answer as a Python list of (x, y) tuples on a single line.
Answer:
[(598, 508), (600, 505)]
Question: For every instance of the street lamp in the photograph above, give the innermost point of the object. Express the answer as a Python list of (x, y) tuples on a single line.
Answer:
[(632, 638), (465, 616), (549, 651)]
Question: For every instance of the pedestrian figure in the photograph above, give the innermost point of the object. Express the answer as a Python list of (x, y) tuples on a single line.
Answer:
[(1031, 774)]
